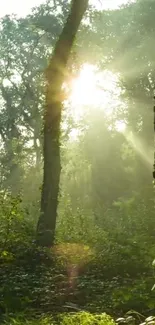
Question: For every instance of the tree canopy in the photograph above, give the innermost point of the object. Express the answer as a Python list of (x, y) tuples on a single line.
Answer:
[(99, 111)]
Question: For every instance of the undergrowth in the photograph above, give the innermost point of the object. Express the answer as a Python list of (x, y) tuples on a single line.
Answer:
[(81, 318)]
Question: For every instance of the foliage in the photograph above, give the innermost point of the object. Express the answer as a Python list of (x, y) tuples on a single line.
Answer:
[(86, 318), (81, 318), (102, 258)]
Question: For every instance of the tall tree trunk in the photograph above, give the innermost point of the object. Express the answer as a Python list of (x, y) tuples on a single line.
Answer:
[(55, 77)]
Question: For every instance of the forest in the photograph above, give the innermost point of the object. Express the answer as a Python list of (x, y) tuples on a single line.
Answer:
[(77, 197)]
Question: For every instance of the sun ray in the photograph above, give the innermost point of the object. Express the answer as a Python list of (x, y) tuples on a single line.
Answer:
[(136, 143)]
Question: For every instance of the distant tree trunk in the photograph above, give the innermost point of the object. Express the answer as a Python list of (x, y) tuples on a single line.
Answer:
[(55, 77)]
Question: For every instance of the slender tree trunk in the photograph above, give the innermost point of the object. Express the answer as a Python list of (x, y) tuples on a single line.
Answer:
[(55, 77)]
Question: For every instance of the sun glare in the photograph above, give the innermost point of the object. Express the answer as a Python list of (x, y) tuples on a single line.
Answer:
[(120, 126), (94, 89), (84, 90)]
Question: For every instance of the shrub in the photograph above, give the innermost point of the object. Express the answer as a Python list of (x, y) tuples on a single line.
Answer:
[(84, 318)]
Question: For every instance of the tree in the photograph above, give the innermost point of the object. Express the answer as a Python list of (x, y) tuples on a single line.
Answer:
[(55, 77), (23, 57), (21, 99)]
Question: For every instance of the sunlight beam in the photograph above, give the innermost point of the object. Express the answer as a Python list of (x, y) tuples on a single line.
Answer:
[(139, 147)]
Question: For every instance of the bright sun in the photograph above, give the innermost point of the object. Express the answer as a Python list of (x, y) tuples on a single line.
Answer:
[(93, 89)]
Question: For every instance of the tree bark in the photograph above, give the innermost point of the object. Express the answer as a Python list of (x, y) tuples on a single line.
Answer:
[(55, 77)]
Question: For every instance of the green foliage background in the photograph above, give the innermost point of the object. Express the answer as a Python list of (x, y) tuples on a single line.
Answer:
[(106, 205)]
